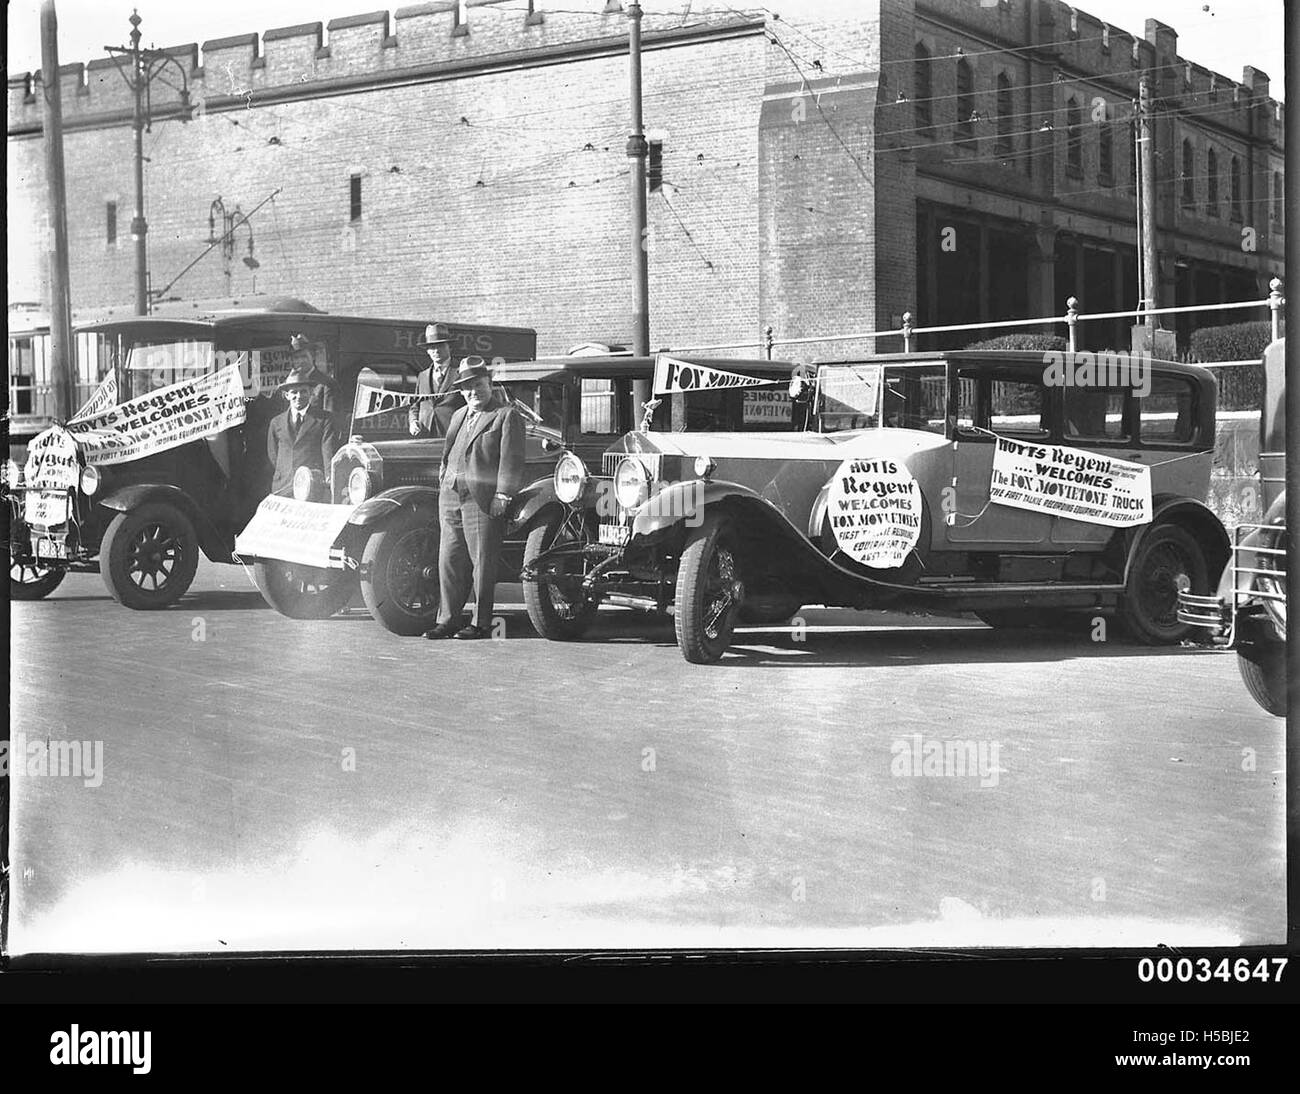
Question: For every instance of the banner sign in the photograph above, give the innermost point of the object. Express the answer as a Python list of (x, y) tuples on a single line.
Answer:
[(52, 460), (1070, 482), (163, 419), (378, 400), (874, 506), (673, 375), (293, 531), (105, 396), (759, 407)]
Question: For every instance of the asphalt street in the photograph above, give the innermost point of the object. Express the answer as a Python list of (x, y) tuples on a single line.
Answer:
[(270, 784)]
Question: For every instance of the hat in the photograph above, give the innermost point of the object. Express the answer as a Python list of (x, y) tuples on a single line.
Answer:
[(471, 369), (435, 334), (300, 375)]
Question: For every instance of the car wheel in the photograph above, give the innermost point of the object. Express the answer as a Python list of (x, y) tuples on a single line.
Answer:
[(149, 556), (1168, 562), (303, 592), (558, 607), (32, 581), (1263, 670), (399, 574), (768, 609), (709, 592)]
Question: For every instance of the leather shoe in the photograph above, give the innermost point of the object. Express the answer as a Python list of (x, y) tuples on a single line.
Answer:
[(471, 632), (443, 630)]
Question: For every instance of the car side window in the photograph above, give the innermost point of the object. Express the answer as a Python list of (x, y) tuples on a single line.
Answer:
[(1096, 414), (1168, 412), (1018, 408), (599, 409)]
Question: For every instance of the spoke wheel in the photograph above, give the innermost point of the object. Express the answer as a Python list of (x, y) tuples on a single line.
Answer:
[(558, 607), (149, 556), (399, 574), (303, 592), (30, 580), (1168, 562), (709, 592)]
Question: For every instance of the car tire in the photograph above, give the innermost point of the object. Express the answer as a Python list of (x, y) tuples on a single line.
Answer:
[(149, 556), (1169, 560), (31, 581), (303, 592), (553, 615), (768, 609), (709, 592), (1263, 671), (399, 574)]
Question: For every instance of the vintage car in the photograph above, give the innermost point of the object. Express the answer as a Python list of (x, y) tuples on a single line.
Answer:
[(958, 481), (1249, 610), (152, 473), (376, 524)]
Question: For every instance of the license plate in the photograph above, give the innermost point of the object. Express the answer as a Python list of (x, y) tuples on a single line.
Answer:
[(615, 534), (50, 548), (45, 508)]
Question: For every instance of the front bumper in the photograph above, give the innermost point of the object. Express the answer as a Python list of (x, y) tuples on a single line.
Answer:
[(1251, 599), (45, 527)]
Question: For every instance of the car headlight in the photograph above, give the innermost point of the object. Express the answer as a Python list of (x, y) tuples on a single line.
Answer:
[(570, 477), (302, 484), (90, 478), (358, 485), (704, 466), (631, 483)]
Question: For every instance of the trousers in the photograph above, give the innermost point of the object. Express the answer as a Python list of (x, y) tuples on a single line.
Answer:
[(469, 545)]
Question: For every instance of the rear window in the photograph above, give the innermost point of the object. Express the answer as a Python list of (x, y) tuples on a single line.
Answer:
[(1168, 413), (1096, 414)]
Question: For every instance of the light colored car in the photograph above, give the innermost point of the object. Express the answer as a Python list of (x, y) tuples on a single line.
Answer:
[(960, 481)]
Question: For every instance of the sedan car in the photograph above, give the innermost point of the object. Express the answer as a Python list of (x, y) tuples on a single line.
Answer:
[(959, 481)]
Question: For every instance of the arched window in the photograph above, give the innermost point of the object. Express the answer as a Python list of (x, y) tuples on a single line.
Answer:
[(1106, 155), (1188, 175), (1073, 138), (921, 85), (1234, 189), (965, 128), (1006, 108), (1211, 183)]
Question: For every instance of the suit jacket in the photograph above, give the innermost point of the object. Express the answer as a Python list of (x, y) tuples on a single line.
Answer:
[(314, 446), (494, 462), (434, 415)]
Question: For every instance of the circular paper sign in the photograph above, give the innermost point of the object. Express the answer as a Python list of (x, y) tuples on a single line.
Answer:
[(874, 506)]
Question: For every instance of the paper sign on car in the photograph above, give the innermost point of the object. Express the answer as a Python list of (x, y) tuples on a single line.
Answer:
[(293, 531), (1070, 482)]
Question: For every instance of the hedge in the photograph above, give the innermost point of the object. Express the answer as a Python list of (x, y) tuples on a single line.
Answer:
[(1042, 343), (1232, 341)]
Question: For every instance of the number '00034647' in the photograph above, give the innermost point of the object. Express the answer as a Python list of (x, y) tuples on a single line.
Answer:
[(1203, 969)]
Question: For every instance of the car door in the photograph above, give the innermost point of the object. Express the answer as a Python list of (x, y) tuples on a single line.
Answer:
[(1008, 400), (1101, 420)]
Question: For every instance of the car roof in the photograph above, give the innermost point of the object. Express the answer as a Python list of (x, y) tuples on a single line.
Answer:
[(993, 357), (618, 366)]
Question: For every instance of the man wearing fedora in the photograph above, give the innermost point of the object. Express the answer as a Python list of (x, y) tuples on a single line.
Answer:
[(482, 469), (430, 416), (302, 436)]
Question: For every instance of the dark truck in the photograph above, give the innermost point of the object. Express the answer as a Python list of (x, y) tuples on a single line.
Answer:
[(138, 486)]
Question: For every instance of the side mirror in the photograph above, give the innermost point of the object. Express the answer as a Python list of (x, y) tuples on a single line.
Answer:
[(549, 445)]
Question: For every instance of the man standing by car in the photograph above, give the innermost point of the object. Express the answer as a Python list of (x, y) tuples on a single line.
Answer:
[(430, 415), (482, 468), (302, 436)]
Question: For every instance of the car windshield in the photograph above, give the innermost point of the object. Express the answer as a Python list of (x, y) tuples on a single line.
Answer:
[(154, 365), (872, 396), (546, 400)]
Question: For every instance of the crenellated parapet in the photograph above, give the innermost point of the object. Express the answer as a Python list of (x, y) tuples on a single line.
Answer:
[(415, 41)]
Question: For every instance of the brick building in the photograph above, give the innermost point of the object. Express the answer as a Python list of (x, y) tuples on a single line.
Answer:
[(823, 172)]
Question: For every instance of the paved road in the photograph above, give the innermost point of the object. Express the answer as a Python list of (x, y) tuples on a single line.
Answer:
[(267, 783)]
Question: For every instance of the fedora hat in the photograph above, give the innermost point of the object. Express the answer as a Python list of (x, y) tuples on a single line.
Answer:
[(471, 369), (435, 334), (301, 375)]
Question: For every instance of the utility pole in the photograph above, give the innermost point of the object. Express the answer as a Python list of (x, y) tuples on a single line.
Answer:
[(637, 150), (62, 366), (1147, 207), (146, 66)]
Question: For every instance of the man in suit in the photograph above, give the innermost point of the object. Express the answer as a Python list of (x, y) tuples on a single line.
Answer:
[(302, 436), (429, 417), (482, 469)]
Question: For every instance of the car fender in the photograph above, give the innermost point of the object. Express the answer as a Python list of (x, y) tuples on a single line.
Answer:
[(530, 502), (380, 509), (686, 502), (126, 498), (1198, 518)]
